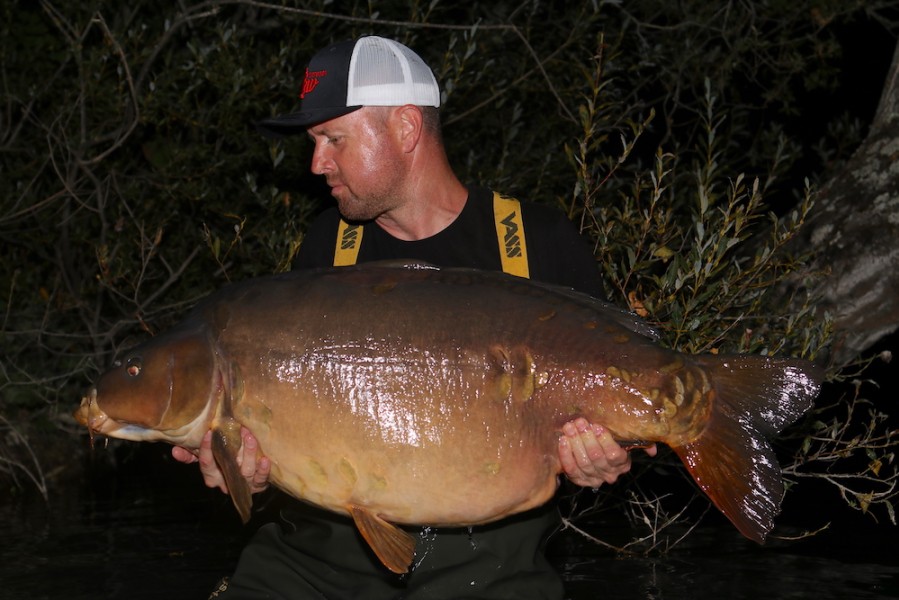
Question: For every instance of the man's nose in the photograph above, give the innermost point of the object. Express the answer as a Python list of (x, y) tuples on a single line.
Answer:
[(321, 164)]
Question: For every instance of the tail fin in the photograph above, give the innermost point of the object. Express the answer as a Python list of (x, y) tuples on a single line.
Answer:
[(732, 461)]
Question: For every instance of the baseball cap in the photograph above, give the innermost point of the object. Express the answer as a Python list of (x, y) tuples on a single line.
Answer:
[(369, 71)]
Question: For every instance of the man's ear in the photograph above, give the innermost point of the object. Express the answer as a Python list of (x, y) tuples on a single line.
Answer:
[(409, 123)]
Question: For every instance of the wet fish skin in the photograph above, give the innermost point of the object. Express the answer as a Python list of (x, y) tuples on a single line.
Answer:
[(443, 392)]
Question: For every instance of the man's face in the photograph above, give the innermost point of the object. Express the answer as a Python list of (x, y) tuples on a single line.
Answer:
[(361, 161)]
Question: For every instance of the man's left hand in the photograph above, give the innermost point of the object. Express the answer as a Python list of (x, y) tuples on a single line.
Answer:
[(590, 456)]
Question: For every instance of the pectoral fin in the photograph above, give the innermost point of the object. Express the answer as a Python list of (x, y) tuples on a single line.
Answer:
[(393, 546), (225, 446)]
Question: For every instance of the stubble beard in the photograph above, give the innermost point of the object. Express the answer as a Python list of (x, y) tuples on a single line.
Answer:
[(354, 208), (372, 205)]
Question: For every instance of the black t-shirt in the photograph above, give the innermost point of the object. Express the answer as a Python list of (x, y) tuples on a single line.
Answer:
[(557, 253)]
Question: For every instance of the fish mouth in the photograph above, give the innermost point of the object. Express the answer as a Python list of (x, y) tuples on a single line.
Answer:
[(99, 423), (90, 415)]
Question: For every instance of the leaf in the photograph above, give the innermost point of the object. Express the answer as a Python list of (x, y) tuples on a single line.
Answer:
[(874, 466), (663, 252)]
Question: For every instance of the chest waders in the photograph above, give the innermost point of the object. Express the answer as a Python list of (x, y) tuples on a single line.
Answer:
[(513, 250)]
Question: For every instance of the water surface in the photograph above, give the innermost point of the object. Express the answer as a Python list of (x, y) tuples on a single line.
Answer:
[(151, 530)]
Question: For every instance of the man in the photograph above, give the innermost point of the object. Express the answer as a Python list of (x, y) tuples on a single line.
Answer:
[(370, 107)]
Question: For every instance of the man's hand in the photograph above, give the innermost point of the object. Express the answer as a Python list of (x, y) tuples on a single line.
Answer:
[(255, 471), (590, 456)]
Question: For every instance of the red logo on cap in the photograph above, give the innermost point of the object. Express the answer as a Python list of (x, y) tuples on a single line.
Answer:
[(311, 80)]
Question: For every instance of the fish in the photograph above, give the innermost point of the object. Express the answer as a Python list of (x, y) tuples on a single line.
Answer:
[(412, 395)]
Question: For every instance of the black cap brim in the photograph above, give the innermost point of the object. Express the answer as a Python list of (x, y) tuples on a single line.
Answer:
[(298, 122)]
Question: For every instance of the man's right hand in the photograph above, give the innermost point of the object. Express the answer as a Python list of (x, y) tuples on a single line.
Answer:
[(254, 469)]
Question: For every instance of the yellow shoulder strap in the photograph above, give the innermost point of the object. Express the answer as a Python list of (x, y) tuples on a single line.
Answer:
[(349, 238), (510, 234)]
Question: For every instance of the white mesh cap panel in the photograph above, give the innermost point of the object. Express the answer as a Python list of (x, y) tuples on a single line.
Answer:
[(385, 73)]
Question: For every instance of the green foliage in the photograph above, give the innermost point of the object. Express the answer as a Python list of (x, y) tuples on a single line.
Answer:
[(694, 248), (698, 254), (132, 182)]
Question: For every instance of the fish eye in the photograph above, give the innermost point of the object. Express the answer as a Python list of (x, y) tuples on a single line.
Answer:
[(133, 366)]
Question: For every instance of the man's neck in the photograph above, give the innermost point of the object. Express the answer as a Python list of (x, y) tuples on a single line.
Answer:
[(427, 213)]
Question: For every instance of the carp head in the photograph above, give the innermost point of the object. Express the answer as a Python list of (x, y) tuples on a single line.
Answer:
[(165, 389)]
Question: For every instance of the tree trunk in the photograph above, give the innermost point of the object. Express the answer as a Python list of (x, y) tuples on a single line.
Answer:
[(854, 229)]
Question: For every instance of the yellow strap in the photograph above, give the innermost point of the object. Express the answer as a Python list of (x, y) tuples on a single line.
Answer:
[(510, 234), (349, 238)]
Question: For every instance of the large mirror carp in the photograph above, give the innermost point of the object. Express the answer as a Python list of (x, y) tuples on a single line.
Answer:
[(410, 394)]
